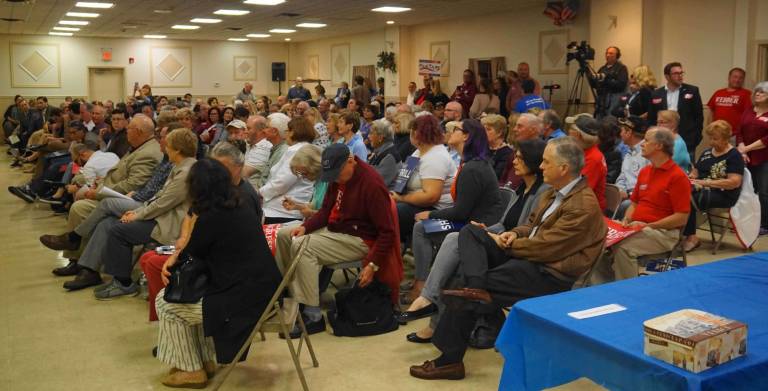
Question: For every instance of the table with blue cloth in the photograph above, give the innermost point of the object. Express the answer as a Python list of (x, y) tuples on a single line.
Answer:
[(544, 347)]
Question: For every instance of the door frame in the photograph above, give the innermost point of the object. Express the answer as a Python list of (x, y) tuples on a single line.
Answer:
[(88, 80)]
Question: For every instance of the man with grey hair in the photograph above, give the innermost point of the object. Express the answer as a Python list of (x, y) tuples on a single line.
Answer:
[(301, 108), (258, 149), (246, 94), (277, 126), (528, 127), (660, 206), (560, 242), (324, 107), (551, 125), (384, 157), (584, 131)]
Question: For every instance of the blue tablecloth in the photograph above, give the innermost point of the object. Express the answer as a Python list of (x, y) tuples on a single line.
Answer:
[(544, 347)]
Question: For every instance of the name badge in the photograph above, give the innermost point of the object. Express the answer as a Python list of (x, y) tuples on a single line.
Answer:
[(656, 101), (688, 96), (764, 119), (643, 187)]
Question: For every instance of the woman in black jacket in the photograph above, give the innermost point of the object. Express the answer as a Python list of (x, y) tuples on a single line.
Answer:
[(638, 100), (243, 276), (475, 194)]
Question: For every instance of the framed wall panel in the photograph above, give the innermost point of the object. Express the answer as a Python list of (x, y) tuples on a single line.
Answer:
[(35, 65), (341, 64), (170, 66), (441, 51), (313, 67), (244, 68), (552, 52)]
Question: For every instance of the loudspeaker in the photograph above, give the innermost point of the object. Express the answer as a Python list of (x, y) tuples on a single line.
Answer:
[(278, 71)]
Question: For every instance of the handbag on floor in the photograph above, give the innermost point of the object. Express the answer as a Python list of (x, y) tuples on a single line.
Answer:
[(363, 311), (188, 280)]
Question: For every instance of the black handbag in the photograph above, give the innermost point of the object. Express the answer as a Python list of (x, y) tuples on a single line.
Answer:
[(188, 280), (363, 311)]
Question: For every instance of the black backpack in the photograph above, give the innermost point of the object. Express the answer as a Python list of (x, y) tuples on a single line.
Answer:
[(363, 311)]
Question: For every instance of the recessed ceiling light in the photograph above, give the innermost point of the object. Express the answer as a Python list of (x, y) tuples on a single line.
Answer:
[(154, 36), (205, 20), (184, 27), (390, 22), (264, 2), (282, 31), (232, 12), (66, 28), (311, 25), (258, 35), (163, 11), (61, 34), (88, 4), (390, 9), (287, 39), (82, 14), (74, 22), (237, 39)]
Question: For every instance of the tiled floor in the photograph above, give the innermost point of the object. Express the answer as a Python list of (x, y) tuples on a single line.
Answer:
[(54, 340)]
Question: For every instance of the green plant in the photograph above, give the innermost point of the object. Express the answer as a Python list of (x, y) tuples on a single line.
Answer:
[(387, 61)]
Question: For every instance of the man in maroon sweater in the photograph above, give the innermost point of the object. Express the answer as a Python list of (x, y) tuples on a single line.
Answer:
[(355, 223)]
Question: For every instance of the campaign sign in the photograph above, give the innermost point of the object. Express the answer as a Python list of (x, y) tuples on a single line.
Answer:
[(405, 174), (430, 67), (434, 225)]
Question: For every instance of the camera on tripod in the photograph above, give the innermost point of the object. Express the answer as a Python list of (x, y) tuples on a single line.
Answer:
[(581, 52)]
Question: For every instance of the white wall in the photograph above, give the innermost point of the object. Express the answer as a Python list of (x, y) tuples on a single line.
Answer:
[(212, 62)]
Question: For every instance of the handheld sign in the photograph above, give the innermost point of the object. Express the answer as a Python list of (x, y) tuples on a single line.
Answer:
[(617, 232), (430, 67), (405, 174), (434, 225)]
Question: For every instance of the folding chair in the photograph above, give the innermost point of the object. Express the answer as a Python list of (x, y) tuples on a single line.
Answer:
[(279, 318), (352, 267), (583, 280), (612, 199), (668, 256), (719, 221)]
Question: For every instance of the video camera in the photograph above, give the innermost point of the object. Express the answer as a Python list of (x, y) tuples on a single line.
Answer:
[(581, 52)]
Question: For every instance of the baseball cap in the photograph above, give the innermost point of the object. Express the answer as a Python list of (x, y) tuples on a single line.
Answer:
[(236, 123), (634, 123), (587, 125), (572, 119), (333, 159)]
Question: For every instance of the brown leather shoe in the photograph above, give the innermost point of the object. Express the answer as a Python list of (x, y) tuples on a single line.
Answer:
[(182, 379), (428, 371), (480, 295), (70, 270), (210, 368), (59, 242)]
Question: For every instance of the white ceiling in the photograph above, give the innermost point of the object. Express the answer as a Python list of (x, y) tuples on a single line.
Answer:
[(343, 17)]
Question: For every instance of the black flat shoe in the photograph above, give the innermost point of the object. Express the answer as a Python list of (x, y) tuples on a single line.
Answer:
[(154, 351), (315, 327), (412, 337), (409, 316), (70, 270)]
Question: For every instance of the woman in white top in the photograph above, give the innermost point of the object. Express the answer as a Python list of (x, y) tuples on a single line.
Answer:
[(282, 183), (429, 186), (485, 100)]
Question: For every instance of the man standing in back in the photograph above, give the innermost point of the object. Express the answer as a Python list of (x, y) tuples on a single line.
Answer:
[(730, 103)]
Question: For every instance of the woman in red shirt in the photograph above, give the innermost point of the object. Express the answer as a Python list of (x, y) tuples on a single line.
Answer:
[(752, 140)]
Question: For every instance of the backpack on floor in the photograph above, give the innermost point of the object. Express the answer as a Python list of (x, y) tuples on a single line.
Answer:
[(363, 311)]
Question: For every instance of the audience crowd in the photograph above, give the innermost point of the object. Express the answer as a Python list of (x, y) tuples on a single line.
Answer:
[(497, 196)]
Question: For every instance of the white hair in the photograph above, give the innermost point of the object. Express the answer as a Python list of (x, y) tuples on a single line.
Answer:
[(278, 121)]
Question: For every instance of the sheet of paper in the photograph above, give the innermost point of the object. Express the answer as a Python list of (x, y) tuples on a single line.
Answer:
[(597, 311), (107, 192)]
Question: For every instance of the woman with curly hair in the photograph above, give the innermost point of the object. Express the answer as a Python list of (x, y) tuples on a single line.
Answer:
[(641, 85)]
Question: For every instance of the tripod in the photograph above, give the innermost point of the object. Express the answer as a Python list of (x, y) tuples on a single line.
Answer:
[(577, 89)]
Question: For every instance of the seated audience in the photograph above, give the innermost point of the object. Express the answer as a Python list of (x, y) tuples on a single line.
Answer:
[(584, 131), (660, 205), (716, 177), (561, 240), (525, 126), (258, 149), (316, 119), (401, 127), (632, 135), (275, 133), (355, 222), (496, 130), (227, 236), (485, 100), (608, 146), (215, 126), (306, 164), (475, 194), (384, 157), (429, 186), (671, 119), (282, 182), (348, 126), (552, 126), (526, 198)]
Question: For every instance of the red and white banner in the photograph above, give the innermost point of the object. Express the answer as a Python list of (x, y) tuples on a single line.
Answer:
[(270, 232), (430, 67), (617, 232)]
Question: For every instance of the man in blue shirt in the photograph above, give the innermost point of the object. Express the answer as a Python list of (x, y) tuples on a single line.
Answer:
[(348, 125), (552, 125), (298, 91), (529, 99)]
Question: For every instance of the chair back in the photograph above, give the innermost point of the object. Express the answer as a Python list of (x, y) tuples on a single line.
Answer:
[(612, 198), (508, 198)]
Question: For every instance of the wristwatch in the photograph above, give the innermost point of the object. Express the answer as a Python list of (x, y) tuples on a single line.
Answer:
[(374, 266)]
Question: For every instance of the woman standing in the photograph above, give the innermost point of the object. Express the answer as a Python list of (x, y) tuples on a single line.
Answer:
[(485, 100), (641, 85), (501, 89), (243, 276), (752, 140), (438, 96)]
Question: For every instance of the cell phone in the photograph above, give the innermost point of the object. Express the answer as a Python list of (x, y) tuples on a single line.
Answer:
[(165, 250)]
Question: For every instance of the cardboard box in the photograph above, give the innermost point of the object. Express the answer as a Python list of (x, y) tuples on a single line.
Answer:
[(694, 340)]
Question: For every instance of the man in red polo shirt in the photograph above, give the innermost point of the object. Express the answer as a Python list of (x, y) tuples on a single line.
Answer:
[(584, 131), (730, 103), (660, 205)]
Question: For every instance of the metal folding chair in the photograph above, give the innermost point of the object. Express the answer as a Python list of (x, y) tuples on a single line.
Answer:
[(612, 199), (279, 317)]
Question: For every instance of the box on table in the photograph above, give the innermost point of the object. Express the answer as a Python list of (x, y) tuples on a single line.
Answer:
[(694, 340)]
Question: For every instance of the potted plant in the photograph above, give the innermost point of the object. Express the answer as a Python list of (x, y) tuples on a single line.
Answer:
[(387, 61)]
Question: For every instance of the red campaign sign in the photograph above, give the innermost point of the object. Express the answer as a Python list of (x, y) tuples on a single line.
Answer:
[(270, 232), (617, 232), (430, 67)]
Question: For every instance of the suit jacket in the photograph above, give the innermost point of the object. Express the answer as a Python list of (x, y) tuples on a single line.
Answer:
[(169, 205), (568, 242), (135, 168), (689, 107)]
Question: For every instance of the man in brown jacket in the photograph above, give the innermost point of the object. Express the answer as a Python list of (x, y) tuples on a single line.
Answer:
[(560, 242)]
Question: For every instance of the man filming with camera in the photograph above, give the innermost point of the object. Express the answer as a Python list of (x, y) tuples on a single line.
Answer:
[(610, 82)]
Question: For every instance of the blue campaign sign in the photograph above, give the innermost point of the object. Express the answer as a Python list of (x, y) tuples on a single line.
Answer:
[(434, 225), (405, 174)]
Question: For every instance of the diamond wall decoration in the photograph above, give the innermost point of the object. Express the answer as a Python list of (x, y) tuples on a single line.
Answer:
[(36, 65), (170, 67)]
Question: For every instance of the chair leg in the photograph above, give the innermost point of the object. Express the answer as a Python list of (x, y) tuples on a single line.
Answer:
[(305, 336), (294, 356), (263, 337)]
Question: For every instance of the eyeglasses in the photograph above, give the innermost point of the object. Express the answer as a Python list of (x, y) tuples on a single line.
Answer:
[(677, 73), (458, 128)]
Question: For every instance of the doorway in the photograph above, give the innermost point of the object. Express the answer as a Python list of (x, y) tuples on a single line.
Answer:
[(106, 83)]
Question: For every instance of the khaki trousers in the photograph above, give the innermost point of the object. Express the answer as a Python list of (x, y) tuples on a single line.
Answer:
[(78, 212), (325, 248), (623, 262)]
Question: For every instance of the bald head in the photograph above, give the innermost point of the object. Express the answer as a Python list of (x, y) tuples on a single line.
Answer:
[(255, 129), (453, 111), (140, 129)]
